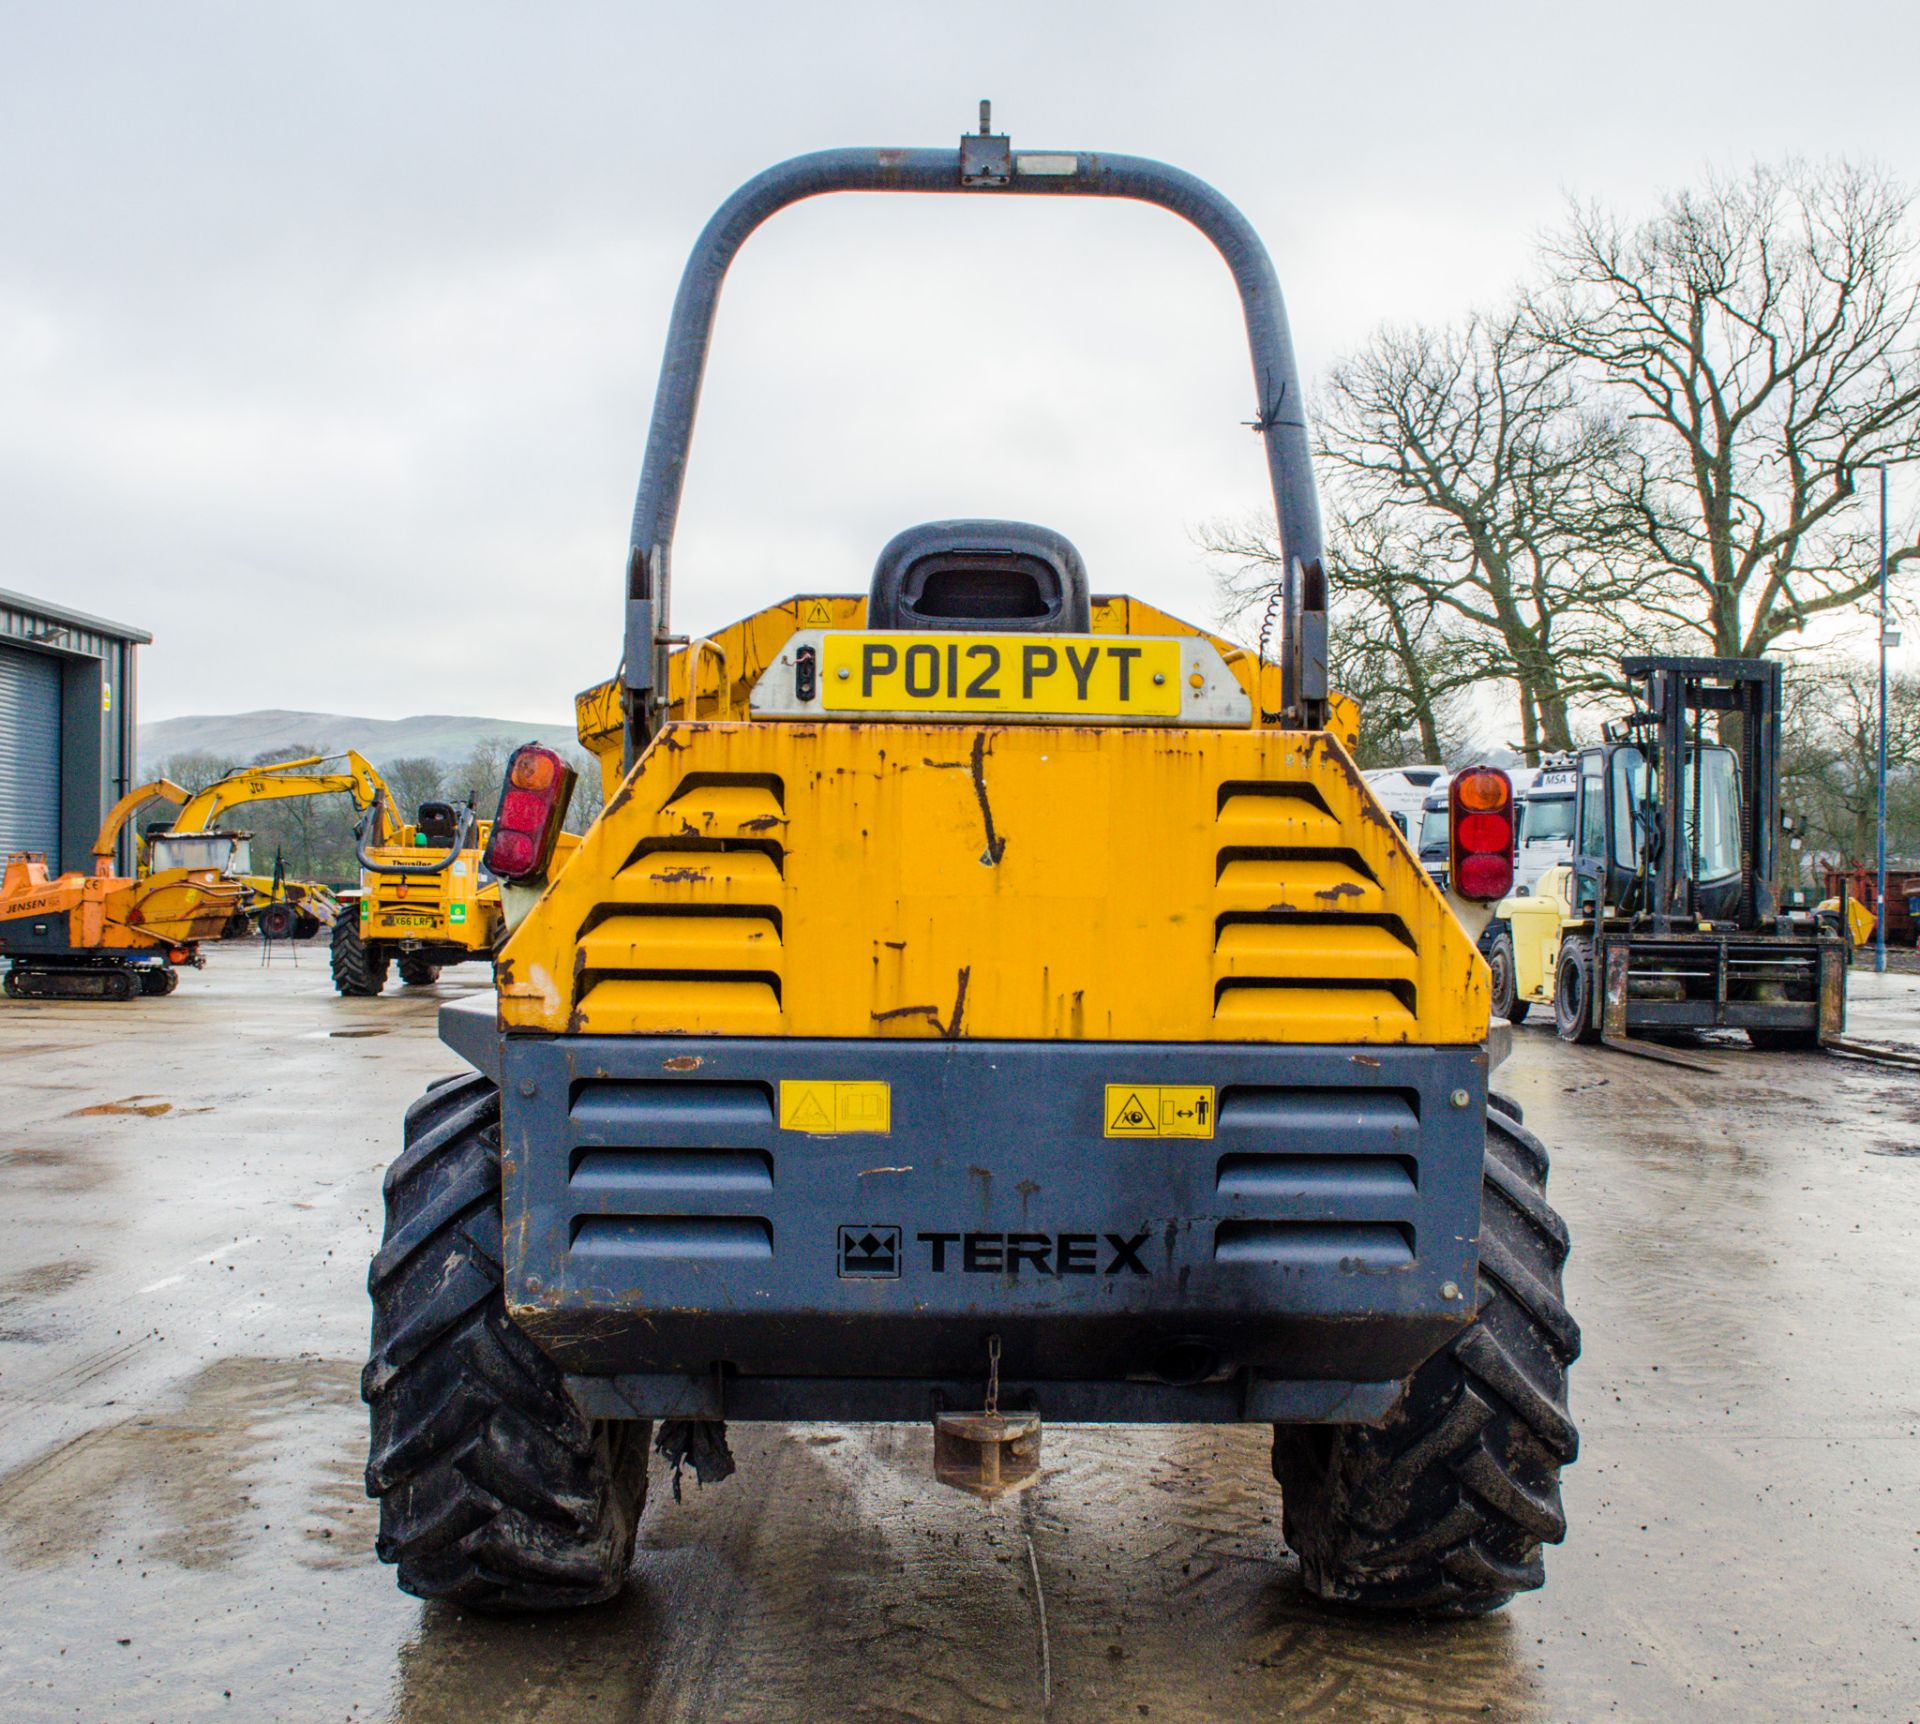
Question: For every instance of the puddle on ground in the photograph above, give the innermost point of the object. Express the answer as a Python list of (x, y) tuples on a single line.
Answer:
[(59, 1168), (187, 1481), (351, 1035), (45, 1279)]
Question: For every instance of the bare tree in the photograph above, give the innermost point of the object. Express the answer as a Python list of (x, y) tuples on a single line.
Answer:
[(1829, 758), (413, 779), (1500, 489), (1761, 334), (1389, 648)]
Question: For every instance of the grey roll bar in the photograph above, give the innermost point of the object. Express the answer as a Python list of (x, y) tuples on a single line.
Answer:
[(370, 822), (985, 162)]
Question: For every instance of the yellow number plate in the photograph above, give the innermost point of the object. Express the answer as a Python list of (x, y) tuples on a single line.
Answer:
[(1074, 675), (402, 919)]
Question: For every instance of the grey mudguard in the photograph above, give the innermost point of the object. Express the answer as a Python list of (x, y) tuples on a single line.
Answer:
[(675, 1249)]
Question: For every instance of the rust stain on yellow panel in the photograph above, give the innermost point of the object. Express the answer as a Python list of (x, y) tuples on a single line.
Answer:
[(925, 880)]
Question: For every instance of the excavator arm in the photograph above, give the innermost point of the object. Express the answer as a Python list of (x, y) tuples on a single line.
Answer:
[(159, 790), (285, 779)]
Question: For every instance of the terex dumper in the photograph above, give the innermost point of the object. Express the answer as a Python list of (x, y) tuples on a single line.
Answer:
[(979, 1001)]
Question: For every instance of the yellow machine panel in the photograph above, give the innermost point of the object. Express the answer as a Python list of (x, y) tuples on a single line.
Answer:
[(1154, 885)]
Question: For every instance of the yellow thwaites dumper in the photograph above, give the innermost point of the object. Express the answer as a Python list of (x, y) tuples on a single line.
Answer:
[(421, 902), (979, 1002)]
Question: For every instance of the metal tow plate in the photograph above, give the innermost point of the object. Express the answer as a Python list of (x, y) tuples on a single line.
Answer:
[(986, 1454)]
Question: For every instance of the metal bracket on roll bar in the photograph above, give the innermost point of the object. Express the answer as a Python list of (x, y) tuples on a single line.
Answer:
[(462, 840)]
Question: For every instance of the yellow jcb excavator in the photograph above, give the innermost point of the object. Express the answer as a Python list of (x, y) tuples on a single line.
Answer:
[(280, 908)]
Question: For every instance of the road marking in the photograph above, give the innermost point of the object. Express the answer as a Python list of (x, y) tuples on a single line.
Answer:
[(209, 1258)]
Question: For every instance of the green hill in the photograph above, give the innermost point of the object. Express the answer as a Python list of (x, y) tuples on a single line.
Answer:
[(244, 736)]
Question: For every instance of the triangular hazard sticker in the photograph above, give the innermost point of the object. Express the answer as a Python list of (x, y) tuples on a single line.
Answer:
[(808, 1115), (1131, 1115), (816, 614)]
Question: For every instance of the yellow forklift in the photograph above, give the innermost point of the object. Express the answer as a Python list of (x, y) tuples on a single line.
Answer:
[(1668, 918)]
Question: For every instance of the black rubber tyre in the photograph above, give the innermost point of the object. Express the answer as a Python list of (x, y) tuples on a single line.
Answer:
[(236, 927), (14, 988), (279, 921), (1442, 1510), (1573, 993), (494, 1490), (359, 969), (1506, 1001), (305, 926), (1784, 1041), (416, 972)]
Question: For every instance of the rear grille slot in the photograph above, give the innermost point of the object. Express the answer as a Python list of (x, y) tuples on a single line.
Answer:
[(1370, 1120), (1303, 1245), (1338, 1009), (683, 1238), (1318, 1178), (654, 1160), (1310, 1180), (638, 1115), (614, 1173)]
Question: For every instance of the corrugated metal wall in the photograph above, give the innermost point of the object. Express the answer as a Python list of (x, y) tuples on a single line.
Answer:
[(46, 648)]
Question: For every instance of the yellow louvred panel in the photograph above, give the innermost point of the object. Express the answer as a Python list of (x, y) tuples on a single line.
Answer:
[(923, 880)]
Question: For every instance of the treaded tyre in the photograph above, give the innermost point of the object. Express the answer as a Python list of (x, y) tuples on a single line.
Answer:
[(278, 921), (1442, 1510), (416, 972), (494, 1490), (1506, 1001), (1573, 994), (359, 969)]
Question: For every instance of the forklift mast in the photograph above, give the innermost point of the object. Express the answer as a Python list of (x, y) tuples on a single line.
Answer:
[(1677, 694)]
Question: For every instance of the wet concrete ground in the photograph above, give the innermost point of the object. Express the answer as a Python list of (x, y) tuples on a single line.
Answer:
[(189, 1190)]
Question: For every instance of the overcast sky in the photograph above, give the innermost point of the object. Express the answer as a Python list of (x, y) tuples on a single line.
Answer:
[(328, 333)]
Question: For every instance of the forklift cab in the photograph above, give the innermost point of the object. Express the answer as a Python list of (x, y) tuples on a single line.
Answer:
[(1620, 831)]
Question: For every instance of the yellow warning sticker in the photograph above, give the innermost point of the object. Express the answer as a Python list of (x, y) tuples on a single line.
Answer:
[(825, 1108), (1159, 1110), (816, 614)]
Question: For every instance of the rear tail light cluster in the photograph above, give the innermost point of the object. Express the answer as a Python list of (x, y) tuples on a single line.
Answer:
[(1480, 833), (533, 803)]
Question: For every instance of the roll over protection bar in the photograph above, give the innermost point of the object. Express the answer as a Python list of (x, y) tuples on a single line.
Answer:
[(373, 820), (985, 162)]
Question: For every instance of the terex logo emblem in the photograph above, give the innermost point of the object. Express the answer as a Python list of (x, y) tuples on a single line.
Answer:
[(1043, 1253), (869, 1253)]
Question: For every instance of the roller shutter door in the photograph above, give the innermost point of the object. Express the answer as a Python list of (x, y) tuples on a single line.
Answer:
[(29, 754)]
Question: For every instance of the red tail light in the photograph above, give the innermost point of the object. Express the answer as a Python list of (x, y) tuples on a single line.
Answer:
[(533, 803), (1480, 833)]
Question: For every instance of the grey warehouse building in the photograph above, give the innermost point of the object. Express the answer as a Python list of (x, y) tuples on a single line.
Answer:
[(67, 687)]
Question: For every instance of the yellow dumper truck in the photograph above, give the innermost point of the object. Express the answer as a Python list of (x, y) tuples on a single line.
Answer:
[(980, 1001)]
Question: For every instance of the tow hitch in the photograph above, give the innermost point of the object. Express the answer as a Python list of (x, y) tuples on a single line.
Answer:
[(987, 1454)]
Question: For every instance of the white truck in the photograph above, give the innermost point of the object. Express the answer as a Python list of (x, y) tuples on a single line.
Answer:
[(1545, 834)]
